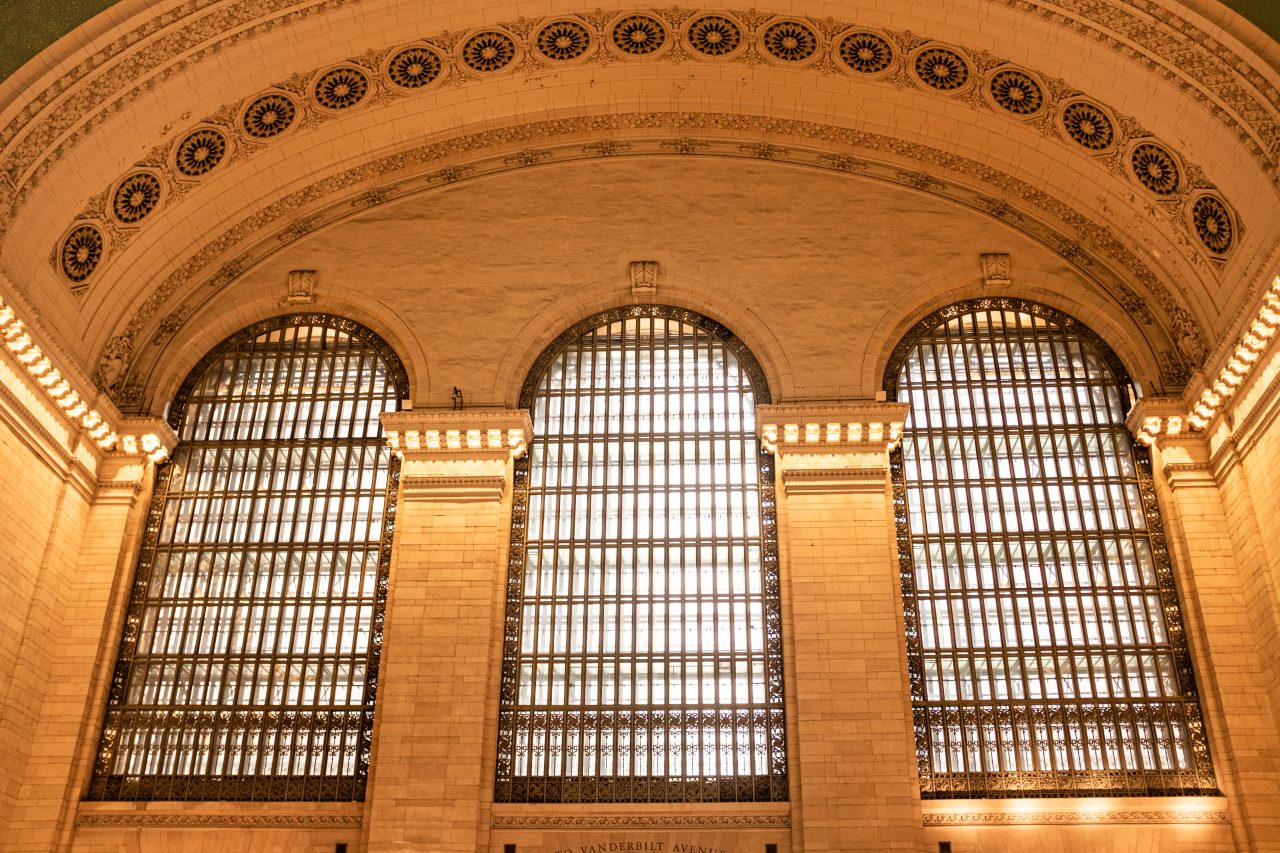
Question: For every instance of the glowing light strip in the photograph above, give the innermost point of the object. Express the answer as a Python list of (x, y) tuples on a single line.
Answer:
[(58, 389), (1242, 362)]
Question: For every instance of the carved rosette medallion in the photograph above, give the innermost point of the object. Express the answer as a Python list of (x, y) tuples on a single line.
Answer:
[(1016, 91), (81, 253), (488, 51), (1155, 168), (341, 88), (790, 41), (563, 41), (638, 35), (866, 53), (200, 152), (714, 35), (269, 115), (1212, 223), (941, 68), (136, 197), (1088, 126), (414, 67)]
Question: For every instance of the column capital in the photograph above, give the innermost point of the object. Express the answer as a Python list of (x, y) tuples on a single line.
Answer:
[(830, 448), (149, 437), (458, 434), (854, 426)]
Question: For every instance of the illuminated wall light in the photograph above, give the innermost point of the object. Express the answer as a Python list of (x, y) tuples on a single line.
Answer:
[(14, 329), (453, 439), (875, 431), (433, 439), (812, 433), (1173, 425), (393, 439), (129, 443), (37, 365), (833, 433), (473, 439), (494, 438), (412, 440), (855, 432), (770, 433), (6, 316), (1198, 421), (791, 433)]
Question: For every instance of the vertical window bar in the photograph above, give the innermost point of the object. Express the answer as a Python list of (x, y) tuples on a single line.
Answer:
[(634, 494), (227, 684), (1018, 494)]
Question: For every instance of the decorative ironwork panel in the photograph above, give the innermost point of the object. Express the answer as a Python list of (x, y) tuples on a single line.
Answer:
[(642, 659), (1045, 641), (249, 661)]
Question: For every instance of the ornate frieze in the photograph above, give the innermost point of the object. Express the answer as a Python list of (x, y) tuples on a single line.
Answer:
[(944, 69), (1063, 816)]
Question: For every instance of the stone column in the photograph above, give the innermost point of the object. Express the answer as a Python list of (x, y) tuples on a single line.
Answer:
[(1228, 618), (97, 532), (852, 755), (431, 781)]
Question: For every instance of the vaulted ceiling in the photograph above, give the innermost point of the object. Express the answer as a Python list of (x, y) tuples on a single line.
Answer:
[(168, 162)]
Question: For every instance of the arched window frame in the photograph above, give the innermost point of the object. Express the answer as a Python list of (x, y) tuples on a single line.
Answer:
[(774, 787), (104, 785), (1198, 780)]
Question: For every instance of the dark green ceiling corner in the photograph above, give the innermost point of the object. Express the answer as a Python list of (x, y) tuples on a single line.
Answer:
[(28, 26)]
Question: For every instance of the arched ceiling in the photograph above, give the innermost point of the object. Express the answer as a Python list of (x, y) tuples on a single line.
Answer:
[(29, 26), (152, 166)]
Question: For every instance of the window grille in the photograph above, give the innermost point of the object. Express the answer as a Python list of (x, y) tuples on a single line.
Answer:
[(249, 660), (1045, 641), (643, 657)]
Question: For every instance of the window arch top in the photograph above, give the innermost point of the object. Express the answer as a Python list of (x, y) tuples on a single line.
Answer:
[(1045, 642), (643, 658)]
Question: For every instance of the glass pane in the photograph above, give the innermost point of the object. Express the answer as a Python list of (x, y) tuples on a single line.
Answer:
[(643, 655), (250, 652), (1047, 655)]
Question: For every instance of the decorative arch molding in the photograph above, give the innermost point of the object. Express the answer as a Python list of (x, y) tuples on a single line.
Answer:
[(83, 94), (1172, 187), (1093, 249)]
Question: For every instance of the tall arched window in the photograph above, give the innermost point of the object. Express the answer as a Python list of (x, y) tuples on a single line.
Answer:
[(643, 655), (1045, 641), (249, 660)]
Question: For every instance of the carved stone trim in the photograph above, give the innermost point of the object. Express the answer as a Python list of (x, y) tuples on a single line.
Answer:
[(1076, 817), (832, 481), (452, 489), (725, 821), (287, 821)]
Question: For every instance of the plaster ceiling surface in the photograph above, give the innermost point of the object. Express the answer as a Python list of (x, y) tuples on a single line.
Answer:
[(791, 259), (115, 105)]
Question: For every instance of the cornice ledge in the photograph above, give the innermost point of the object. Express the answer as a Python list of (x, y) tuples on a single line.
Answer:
[(995, 818), (857, 425), (294, 820), (825, 481), (487, 433), (462, 488), (720, 821)]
